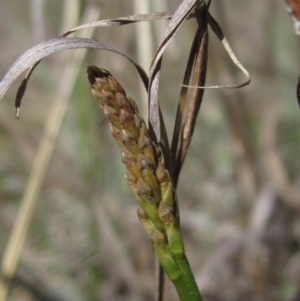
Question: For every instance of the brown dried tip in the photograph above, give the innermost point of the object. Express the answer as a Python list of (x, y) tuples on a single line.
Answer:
[(19, 97), (94, 72)]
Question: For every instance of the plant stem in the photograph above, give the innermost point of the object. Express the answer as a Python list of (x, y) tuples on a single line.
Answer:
[(186, 285)]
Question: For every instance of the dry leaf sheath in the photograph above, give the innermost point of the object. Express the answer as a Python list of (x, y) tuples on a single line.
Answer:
[(147, 178)]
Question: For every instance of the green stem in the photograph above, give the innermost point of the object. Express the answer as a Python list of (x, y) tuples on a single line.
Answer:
[(179, 272), (186, 286)]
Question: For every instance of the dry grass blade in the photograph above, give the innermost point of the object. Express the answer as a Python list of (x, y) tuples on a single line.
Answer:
[(122, 21), (219, 33), (182, 99), (176, 21), (156, 124), (33, 56), (197, 65)]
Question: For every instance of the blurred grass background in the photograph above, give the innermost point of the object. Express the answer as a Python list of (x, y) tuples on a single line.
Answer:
[(239, 189)]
